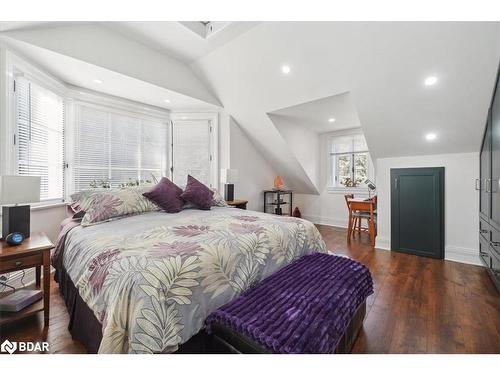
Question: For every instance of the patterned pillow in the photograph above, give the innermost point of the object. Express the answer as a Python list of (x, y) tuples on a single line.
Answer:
[(167, 195), (217, 199), (109, 204), (198, 194)]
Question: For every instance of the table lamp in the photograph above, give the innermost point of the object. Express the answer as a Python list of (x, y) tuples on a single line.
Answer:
[(18, 190), (371, 187), (229, 177)]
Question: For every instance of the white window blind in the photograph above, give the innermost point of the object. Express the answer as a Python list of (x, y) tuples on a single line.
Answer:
[(349, 160), (191, 153), (40, 137), (117, 147)]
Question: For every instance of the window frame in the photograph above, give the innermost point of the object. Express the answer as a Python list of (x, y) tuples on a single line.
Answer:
[(13, 67), (333, 186), (213, 119)]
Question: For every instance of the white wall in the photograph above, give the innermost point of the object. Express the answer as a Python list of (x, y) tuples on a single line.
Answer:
[(254, 172), (303, 143), (461, 201)]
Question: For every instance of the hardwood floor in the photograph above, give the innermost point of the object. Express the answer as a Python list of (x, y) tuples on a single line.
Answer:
[(420, 305)]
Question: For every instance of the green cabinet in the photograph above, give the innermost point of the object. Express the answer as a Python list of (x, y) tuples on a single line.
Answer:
[(417, 211)]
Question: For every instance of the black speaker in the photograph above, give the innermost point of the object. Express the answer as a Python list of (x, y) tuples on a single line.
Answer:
[(16, 219), (229, 192)]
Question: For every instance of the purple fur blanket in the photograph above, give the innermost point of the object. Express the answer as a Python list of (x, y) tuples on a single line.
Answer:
[(303, 308)]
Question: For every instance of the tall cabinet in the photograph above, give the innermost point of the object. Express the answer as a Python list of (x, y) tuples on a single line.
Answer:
[(489, 186)]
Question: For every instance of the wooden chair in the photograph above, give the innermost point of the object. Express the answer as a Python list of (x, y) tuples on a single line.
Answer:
[(359, 210), (357, 221)]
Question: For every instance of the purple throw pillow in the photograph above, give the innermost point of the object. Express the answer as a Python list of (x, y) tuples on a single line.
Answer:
[(197, 194), (167, 195)]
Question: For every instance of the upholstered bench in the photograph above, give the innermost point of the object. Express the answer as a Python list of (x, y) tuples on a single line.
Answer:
[(315, 305)]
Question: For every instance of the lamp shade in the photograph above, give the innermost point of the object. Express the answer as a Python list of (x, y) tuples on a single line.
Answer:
[(228, 176), (19, 189)]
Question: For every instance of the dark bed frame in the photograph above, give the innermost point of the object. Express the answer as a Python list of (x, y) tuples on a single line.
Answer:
[(84, 327)]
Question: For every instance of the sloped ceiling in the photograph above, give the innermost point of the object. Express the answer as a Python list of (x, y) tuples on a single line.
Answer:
[(177, 40), (92, 44), (382, 65)]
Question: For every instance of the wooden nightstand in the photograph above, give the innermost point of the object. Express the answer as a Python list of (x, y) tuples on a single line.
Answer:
[(238, 203), (33, 252)]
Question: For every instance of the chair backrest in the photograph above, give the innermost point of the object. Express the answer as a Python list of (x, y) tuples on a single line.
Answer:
[(365, 206), (347, 197)]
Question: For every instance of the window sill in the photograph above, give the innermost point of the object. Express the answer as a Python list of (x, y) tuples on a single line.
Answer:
[(45, 206), (347, 190)]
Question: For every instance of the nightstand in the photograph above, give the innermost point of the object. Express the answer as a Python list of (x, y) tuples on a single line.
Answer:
[(238, 203), (33, 252)]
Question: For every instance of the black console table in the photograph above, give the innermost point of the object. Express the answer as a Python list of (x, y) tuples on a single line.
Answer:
[(275, 200)]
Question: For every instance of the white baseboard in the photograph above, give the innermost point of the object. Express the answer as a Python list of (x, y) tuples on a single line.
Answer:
[(453, 253), (462, 255), (333, 222), (382, 243)]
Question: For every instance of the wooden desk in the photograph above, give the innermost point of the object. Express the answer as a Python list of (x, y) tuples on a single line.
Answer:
[(363, 209), (33, 252)]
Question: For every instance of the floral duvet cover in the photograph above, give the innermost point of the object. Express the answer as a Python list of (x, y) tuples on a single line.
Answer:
[(152, 279)]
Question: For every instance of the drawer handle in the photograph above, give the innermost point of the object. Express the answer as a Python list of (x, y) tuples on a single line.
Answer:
[(496, 244), (483, 231), (18, 263)]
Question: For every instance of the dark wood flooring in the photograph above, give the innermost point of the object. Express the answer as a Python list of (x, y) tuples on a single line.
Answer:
[(420, 305)]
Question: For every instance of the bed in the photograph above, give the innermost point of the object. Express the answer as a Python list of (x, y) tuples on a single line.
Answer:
[(149, 281)]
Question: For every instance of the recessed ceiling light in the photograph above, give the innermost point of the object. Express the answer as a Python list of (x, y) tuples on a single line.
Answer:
[(97, 81), (431, 80), (331, 119), (285, 69), (430, 136), (184, 118), (167, 100)]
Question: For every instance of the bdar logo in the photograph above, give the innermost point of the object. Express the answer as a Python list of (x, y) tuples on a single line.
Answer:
[(9, 347)]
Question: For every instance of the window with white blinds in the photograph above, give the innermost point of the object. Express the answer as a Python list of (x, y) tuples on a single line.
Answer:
[(117, 147), (350, 160), (40, 137), (191, 151)]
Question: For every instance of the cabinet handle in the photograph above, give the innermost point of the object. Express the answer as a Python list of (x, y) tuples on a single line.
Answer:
[(478, 184), (18, 263), (494, 186), (496, 244), (483, 231), (488, 182)]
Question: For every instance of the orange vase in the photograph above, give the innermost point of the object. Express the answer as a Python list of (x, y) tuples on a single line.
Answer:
[(278, 183)]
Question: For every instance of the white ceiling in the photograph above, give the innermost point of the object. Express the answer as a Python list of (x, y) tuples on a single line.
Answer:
[(82, 74), (176, 40), (381, 64), (315, 115)]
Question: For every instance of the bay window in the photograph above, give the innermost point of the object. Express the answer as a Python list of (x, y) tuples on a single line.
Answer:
[(77, 139)]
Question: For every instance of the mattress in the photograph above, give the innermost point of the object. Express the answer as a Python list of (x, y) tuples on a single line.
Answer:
[(152, 279)]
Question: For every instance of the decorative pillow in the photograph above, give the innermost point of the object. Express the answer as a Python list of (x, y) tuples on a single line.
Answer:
[(115, 203), (167, 195), (198, 194), (74, 211), (217, 199)]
